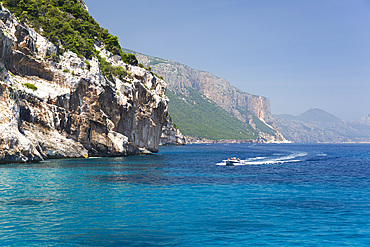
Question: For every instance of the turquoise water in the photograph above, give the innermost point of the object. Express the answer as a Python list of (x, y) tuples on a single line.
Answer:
[(282, 195)]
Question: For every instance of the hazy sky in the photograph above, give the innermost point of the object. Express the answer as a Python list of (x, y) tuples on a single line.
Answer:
[(300, 54)]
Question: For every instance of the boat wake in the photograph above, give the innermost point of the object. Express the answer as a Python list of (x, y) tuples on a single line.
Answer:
[(294, 157)]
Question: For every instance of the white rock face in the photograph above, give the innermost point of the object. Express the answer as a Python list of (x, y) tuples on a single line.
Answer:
[(172, 135), (65, 107)]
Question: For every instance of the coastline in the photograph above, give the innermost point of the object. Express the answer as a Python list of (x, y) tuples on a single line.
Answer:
[(195, 140)]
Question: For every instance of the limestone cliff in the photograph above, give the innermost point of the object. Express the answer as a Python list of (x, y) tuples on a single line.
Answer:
[(250, 109), (61, 105), (171, 135)]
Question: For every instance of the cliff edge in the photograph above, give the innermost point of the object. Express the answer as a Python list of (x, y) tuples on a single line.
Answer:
[(252, 110), (55, 105)]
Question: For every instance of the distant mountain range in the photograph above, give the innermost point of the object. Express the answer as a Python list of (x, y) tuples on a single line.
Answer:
[(226, 112), (205, 106), (364, 120), (316, 125)]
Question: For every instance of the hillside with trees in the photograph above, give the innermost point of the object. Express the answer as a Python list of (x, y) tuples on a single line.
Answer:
[(68, 25)]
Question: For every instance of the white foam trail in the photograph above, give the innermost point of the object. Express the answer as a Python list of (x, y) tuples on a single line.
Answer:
[(257, 158), (221, 164), (266, 161), (322, 155)]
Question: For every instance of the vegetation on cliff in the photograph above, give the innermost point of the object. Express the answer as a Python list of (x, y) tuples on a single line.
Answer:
[(198, 116), (30, 86), (68, 25), (252, 110), (107, 69)]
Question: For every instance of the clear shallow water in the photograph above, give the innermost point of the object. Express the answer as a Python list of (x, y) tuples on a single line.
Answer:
[(283, 195)]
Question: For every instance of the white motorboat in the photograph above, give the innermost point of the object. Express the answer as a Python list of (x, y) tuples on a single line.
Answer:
[(233, 161)]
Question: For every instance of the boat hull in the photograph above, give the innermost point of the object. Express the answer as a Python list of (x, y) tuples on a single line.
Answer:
[(232, 162)]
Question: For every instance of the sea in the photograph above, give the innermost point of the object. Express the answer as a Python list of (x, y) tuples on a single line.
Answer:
[(280, 195)]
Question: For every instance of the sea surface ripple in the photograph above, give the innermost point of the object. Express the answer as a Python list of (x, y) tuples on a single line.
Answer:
[(281, 195)]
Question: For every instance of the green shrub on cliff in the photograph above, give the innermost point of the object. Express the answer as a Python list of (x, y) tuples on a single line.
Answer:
[(30, 86), (67, 23), (108, 70)]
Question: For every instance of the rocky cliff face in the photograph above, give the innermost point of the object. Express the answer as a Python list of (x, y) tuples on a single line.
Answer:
[(242, 105), (171, 135), (238, 103), (62, 106)]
